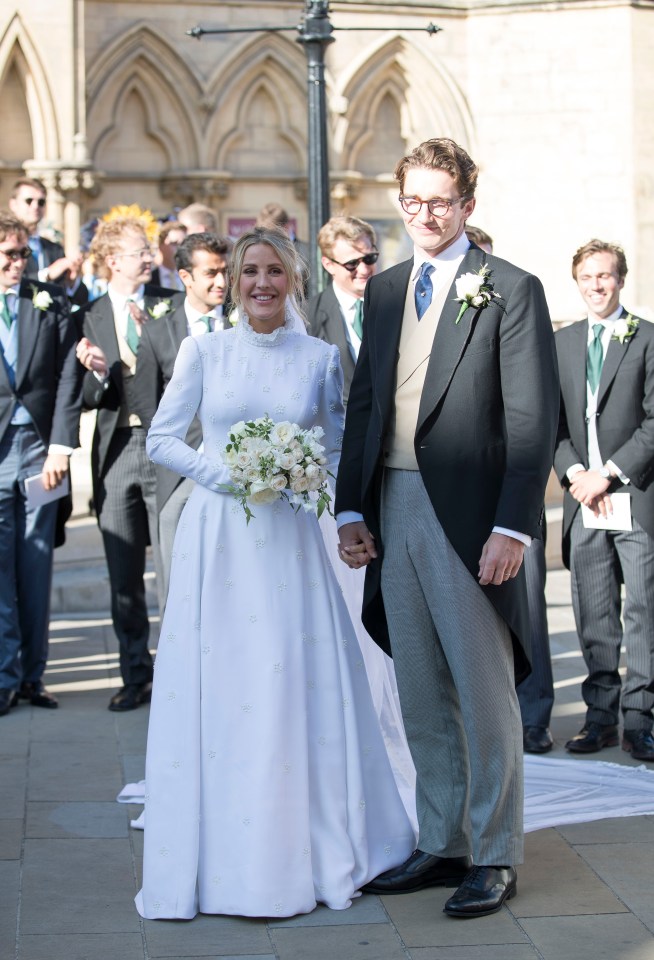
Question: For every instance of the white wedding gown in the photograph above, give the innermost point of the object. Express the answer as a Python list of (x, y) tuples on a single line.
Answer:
[(268, 786)]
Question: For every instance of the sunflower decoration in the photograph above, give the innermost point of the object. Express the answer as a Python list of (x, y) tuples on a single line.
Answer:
[(134, 212)]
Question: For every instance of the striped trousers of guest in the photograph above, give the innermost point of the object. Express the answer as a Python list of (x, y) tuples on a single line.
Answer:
[(453, 660), (128, 519), (600, 561)]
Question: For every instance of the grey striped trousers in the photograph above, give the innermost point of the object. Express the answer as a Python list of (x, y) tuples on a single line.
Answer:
[(454, 665), (600, 561)]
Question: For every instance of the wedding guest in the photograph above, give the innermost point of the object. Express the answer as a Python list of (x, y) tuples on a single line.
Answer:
[(448, 444), (201, 260), (268, 786), (605, 456), (198, 218), (124, 481), (348, 248), (48, 261), (40, 405), (165, 274)]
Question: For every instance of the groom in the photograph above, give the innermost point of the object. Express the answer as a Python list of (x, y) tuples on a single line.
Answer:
[(448, 443)]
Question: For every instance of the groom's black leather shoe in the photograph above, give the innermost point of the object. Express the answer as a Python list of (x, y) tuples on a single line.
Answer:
[(421, 870), (130, 697), (483, 891), (592, 737)]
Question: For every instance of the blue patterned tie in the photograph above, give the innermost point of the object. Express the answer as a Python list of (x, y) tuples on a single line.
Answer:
[(424, 289)]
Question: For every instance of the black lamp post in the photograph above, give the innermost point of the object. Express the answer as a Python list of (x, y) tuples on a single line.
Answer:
[(314, 33)]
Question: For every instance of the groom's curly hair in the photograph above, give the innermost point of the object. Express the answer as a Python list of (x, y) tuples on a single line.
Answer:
[(441, 153)]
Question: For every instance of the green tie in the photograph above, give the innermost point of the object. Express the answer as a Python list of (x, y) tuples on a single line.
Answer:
[(132, 336), (357, 323), (595, 358), (207, 322), (4, 310)]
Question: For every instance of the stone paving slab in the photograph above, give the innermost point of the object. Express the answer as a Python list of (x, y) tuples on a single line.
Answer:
[(78, 886), (69, 773), (611, 830), (372, 941), (628, 868), (9, 899), (506, 951), (207, 936), (591, 938), (76, 819), (555, 881), (11, 839), (420, 921), (364, 909), (83, 946)]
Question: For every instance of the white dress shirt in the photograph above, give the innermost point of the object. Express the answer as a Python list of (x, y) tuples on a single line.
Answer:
[(348, 305)]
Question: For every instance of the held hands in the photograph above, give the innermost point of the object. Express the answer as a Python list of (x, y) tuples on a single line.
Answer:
[(501, 559), (92, 357), (357, 545), (55, 469), (589, 488)]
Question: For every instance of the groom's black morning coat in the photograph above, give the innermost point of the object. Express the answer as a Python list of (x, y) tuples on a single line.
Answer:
[(486, 427)]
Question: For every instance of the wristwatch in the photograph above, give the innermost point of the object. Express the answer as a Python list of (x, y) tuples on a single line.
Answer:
[(604, 472)]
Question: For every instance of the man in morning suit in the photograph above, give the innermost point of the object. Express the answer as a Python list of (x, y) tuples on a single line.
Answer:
[(124, 481), (448, 443), (604, 451), (349, 253), (40, 404), (48, 261), (201, 260)]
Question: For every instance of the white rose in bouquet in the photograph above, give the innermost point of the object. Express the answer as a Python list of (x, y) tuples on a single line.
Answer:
[(312, 470), (296, 472), (282, 433), (301, 485), (260, 492), (278, 482)]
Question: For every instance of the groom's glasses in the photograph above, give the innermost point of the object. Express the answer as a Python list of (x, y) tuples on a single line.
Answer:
[(351, 265), (438, 206)]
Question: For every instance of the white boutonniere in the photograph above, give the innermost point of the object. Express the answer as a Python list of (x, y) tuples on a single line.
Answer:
[(474, 290), (41, 299), (625, 328), (160, 309)]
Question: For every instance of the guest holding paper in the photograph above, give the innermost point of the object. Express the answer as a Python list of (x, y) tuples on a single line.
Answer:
[(604, 460), (40, 403)]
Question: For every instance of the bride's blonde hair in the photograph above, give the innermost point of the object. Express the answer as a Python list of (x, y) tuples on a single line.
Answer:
[(282, 244)]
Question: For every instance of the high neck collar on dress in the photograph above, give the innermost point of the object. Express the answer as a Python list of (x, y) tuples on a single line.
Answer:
[(279, 335)]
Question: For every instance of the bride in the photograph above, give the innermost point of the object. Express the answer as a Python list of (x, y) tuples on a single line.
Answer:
[(268, 785)]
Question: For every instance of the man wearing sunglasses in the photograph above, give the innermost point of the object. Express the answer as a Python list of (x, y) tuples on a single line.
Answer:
[(40, 404), (47, 262), (448, 445), (349, 255)]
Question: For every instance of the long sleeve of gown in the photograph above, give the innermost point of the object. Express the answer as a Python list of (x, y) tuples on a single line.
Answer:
[(165, 441), (331, 413)]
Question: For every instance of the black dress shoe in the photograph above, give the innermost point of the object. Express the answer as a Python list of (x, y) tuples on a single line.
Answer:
[(37, 695), (592, 737), (639, 743), (421, 870), (483, 891), (536, 739), (8, 699), (131, 696)]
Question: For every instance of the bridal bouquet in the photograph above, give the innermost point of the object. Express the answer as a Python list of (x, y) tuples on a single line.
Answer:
[(268, 461)]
